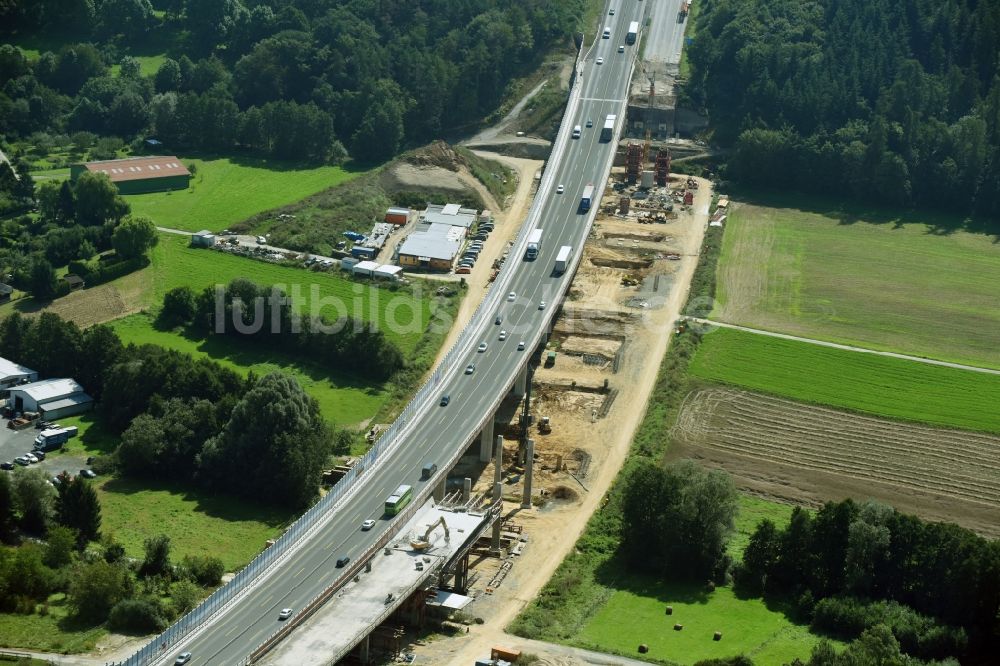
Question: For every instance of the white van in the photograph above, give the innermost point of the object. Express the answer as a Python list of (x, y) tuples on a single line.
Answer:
[(577, 131), (607, 33)]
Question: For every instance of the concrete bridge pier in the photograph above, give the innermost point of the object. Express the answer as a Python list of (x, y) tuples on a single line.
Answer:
[(486, 440), (497, 495), (529, 467), (364, 650), (521, 383), (439, 489)]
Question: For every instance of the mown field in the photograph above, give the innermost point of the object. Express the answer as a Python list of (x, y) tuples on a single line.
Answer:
[(224, 191), (344, 400), (912, 283), (867, 383), (198, 522)]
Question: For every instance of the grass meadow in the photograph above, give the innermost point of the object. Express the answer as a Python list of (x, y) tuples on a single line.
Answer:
[(913, 283), (198, 522), (225, 191), (54, 631), (877, 385), (343, 399)]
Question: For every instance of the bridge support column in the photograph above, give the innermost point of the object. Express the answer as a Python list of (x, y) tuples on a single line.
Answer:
[(439, 490), (521, 383), (529, 467), (364, 654), (486, 440), (497, 494), (466, 489), (462, 575)]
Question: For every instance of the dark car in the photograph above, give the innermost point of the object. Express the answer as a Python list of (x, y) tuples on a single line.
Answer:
[(7, 465), (342, 562), (38, 454), (445, 399), (88, 474), (499, 319)]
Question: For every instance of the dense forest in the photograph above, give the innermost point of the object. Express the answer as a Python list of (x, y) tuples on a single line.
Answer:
[(892, 102), (286, 78)]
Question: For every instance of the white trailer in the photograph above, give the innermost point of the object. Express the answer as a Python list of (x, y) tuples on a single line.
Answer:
[(633, 32), (534, 245), (563, 258)]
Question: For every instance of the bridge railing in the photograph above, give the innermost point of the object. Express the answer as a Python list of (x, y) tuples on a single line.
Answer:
[(197, 617)]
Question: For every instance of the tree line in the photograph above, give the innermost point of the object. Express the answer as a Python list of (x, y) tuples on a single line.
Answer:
[(363, 74), (852, 566), (266, 315), (183, 418), (890, 102)]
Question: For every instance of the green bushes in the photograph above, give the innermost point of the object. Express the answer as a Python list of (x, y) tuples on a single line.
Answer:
[(138, 616)]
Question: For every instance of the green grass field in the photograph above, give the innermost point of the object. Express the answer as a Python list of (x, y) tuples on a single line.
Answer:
[(198, 522), (399, 314), (224, 191), (867, 383), (636, 614), (343, 400), (52, 632), (906, 283)]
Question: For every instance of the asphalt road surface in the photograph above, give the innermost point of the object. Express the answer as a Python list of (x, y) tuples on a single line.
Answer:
[(437, 432), (666, 34)]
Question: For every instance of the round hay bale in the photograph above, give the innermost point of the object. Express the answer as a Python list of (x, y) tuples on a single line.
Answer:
[(718, 636), (678, 626), (670, 610), (643, 648)]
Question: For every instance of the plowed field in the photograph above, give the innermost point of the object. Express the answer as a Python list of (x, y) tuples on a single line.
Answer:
[(811, 454)]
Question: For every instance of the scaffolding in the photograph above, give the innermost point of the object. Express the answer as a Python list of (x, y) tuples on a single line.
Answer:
[(633, 162), (662, 167)]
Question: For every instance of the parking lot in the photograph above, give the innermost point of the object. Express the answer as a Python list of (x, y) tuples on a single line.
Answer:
[(17, 443)]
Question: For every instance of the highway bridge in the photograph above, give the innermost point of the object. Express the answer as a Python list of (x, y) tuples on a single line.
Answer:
[(237, 619)]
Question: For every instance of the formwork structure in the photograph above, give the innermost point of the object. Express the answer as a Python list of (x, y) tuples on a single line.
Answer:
[(633, 162), (662, 167)]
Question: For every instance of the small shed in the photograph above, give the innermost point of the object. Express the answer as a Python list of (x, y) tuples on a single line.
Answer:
[(203, 238), (387, 272), (5, 292), (397, 216), (74, 281), (365, 268)]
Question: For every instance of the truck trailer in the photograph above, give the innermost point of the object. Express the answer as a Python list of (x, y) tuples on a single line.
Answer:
[(633, 32), (53, 438), (563, 258), (588, 196), (534, 245), (608, 131)]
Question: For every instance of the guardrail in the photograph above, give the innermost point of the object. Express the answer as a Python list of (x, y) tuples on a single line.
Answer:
[(225, 595)]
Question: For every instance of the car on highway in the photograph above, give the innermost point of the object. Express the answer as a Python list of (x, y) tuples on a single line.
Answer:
[(482, 347), (88, 474), (611, 12), (469, 369), (541, 305), (285, 614), (367, 525), (511, 296), (7, 465), (498, 320), (590, 123), (22, 461), (445, 399), (503, 335), (600, 61), (342, 562), (560, 189), (621, 48), (182, 658), (520, 346)]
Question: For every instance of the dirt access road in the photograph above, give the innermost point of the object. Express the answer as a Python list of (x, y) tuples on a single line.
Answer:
[(552, 532)]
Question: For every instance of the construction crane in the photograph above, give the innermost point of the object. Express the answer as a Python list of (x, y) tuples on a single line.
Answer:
[(423, 543)]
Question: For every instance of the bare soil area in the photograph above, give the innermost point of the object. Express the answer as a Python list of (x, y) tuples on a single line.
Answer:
[(594, 396), (807, 455)]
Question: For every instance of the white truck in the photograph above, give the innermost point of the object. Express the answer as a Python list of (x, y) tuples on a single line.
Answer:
[(563, 258), (534, 245), (633, 31), (608, 131)]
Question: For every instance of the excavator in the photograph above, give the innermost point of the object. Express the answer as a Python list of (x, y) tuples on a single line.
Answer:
[(424, 543)]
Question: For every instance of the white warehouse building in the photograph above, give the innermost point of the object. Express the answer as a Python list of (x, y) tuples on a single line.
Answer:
[(12, 374), (52, 398)]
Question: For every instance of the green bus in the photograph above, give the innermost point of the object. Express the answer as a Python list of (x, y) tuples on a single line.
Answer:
[(400, 498)]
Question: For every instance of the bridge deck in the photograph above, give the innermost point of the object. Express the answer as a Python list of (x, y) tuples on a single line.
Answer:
[(338, 626)]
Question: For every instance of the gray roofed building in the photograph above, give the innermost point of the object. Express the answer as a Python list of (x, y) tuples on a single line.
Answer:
[(452, 214), (53, 398), (12, 374), (431, 246)]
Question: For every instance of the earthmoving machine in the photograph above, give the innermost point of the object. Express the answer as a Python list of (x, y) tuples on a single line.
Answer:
[(424, 542), (544, 426)]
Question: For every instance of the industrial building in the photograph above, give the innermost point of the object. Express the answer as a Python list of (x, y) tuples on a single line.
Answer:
[(450, 214), (431, 246), (52, 398), (12, 374), (136, 175)]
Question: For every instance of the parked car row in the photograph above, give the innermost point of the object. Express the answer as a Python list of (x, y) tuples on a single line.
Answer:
[(473, 249)]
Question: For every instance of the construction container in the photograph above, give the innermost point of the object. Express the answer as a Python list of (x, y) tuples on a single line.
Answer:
[(508, 654), (397, 216), (647, 179)]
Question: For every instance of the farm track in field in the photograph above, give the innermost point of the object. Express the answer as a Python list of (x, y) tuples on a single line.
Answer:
[(950, 463)]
